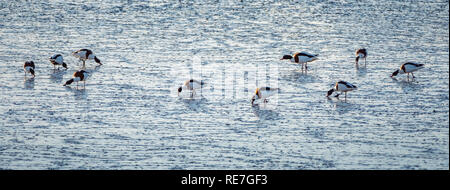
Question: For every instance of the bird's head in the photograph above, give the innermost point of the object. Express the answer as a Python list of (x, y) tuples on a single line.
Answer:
[(395, 73)]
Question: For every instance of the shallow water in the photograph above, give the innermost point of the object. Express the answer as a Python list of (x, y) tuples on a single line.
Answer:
[(129, 115)]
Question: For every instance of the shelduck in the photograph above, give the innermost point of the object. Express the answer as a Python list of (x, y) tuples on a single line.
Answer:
[(80, 75), (408, 67), (191, 85), (29, 67), (86, 54), (57, 60), (342, 87), (263, 93)]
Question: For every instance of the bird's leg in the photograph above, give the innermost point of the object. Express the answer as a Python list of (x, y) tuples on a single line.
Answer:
[(413, 75), (84, 84), (345, 95), (84, 63), (306, 66)]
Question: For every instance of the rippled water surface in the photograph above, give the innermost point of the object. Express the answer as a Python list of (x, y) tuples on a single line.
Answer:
[(129, 115)]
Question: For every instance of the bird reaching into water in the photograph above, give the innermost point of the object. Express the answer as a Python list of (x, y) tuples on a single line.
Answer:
[(191, 85), (408, 67), (342, 87), (28, 67), (263, 93), (361, 53), (80, 75)]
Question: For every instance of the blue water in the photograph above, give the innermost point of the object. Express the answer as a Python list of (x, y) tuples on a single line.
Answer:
[(129, 115)]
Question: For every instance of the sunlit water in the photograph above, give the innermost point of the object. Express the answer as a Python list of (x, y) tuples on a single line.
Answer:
[(129, 115)]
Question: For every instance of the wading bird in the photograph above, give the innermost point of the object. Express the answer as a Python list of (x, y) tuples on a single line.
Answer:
[(86, 54), (301, 58)]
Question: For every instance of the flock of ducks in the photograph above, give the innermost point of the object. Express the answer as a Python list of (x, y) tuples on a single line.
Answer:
[(261, 93), (303, 58)]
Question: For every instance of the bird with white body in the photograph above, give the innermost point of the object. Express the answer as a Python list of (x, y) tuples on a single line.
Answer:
[(407, 68), (263, 93), (360, 54), (343, 87), (78, 76), (86, 54), (57, 60), (28, 67), (301, 58)]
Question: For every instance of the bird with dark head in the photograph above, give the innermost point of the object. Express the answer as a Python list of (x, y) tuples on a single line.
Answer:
[(29, 67), (263, 93)]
